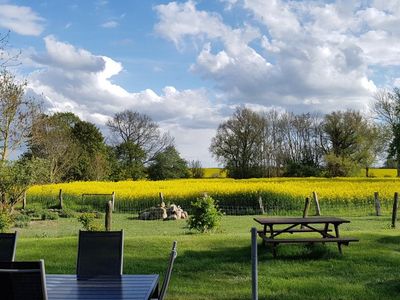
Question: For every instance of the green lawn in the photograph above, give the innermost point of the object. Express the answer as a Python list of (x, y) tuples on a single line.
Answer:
[(217, 265)]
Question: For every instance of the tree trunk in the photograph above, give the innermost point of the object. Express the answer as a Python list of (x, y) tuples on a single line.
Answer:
[(366, 171)]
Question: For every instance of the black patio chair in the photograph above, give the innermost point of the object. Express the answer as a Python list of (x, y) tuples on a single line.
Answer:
[(167, 276), (100, 253), (21, 280), (8, 243)]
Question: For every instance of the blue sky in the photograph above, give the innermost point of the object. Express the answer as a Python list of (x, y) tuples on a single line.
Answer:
[(187, 64)]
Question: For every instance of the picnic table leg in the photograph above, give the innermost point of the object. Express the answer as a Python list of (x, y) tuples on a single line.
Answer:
[(264, 232), (326, 228), (274, 250), (339, 244)]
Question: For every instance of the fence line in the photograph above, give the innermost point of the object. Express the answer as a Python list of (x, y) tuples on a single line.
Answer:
[(234, 205)]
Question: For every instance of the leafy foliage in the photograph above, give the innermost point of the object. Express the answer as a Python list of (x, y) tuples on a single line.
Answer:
[(205, 216), (88, 222), (5, 220), (168, 165)]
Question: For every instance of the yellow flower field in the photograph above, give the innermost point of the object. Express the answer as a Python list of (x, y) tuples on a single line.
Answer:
[(229, 191)]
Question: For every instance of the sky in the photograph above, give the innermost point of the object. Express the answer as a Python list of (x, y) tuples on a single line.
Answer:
[(189, 64)]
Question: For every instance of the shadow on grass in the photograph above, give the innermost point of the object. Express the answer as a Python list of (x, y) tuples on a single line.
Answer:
[(299, 252), (391, 287), (389, 240)]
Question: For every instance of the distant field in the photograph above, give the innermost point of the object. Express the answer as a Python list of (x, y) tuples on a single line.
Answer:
[(214, 173)]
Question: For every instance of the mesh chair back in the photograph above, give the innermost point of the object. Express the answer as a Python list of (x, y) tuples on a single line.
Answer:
[(167, 276), (22, 280), (8, 242), (100, 253)]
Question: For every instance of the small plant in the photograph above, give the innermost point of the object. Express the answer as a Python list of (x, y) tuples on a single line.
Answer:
[(5, 221), (88, 222), (21, 220), (66, 213), (48, 215), (205, 215)]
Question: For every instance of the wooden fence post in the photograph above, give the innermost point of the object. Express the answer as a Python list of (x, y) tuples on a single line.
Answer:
[(395, 207), (109, 209), (113, 200), (261, 206), (306, 208), (24, 201), (254, 261), (377, 204), (162, 203), (317, 208), (60, 199)]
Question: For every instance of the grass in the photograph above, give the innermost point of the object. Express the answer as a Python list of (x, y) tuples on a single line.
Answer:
[(217, 265)]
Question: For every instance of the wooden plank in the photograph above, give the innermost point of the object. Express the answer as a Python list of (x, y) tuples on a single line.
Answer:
[(317, 208), (295, 230), (310, 240), (298, 220)]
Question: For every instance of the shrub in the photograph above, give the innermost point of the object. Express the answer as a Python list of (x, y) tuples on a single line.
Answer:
[(48, 215), (21, 220), (205, 215), (5, 221), (66, 213), (88, 222)]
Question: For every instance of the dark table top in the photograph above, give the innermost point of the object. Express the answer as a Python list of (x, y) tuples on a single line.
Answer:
[(297, 220), (102, 287)]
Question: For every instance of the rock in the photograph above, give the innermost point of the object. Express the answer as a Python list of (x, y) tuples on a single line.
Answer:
[(173, 212), (172, 217), (144, 215)]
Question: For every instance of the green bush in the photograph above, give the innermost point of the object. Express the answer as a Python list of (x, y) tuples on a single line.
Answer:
[(21, 220), (49, 215), (88, 222), (66, 213), (205, 215), (5, 221)]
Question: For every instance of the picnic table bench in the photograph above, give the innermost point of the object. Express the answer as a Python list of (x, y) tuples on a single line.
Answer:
[(302, 225)]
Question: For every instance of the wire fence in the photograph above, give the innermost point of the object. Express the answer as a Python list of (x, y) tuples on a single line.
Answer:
[(229, 204)]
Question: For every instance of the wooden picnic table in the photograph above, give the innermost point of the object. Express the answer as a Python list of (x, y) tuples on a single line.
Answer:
[(302, 225), (138, 287)]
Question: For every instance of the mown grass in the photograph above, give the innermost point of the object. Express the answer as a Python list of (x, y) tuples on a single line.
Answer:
[(217, 265)]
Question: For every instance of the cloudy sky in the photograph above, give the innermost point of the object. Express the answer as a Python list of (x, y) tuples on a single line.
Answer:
[(187, 64)]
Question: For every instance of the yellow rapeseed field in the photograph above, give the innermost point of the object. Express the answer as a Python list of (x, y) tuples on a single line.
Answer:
[(338, 189)]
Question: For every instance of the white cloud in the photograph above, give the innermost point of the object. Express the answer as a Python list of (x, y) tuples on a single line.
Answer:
[(80, 81), (301, 56), (20, 19), (110, 24)]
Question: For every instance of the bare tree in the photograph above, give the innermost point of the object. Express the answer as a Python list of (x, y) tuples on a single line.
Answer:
[(17, 113), (387, 110), (6, 57), (140, 130)]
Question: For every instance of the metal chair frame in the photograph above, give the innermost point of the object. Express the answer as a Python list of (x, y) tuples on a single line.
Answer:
[(10, 236)]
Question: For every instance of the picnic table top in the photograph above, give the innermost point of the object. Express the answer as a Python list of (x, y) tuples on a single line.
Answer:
[(300, 220)]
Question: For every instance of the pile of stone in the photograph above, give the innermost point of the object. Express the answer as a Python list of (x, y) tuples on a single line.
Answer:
[(162, 212)]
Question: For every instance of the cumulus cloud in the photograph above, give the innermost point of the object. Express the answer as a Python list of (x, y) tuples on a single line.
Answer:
[(301, 56), (73, 79), (20, 19)]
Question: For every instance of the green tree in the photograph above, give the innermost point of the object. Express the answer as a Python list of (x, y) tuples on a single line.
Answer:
[(238, 144), (346, 135), (129, 161), (168, 165), (91, 162), (196, 169)]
